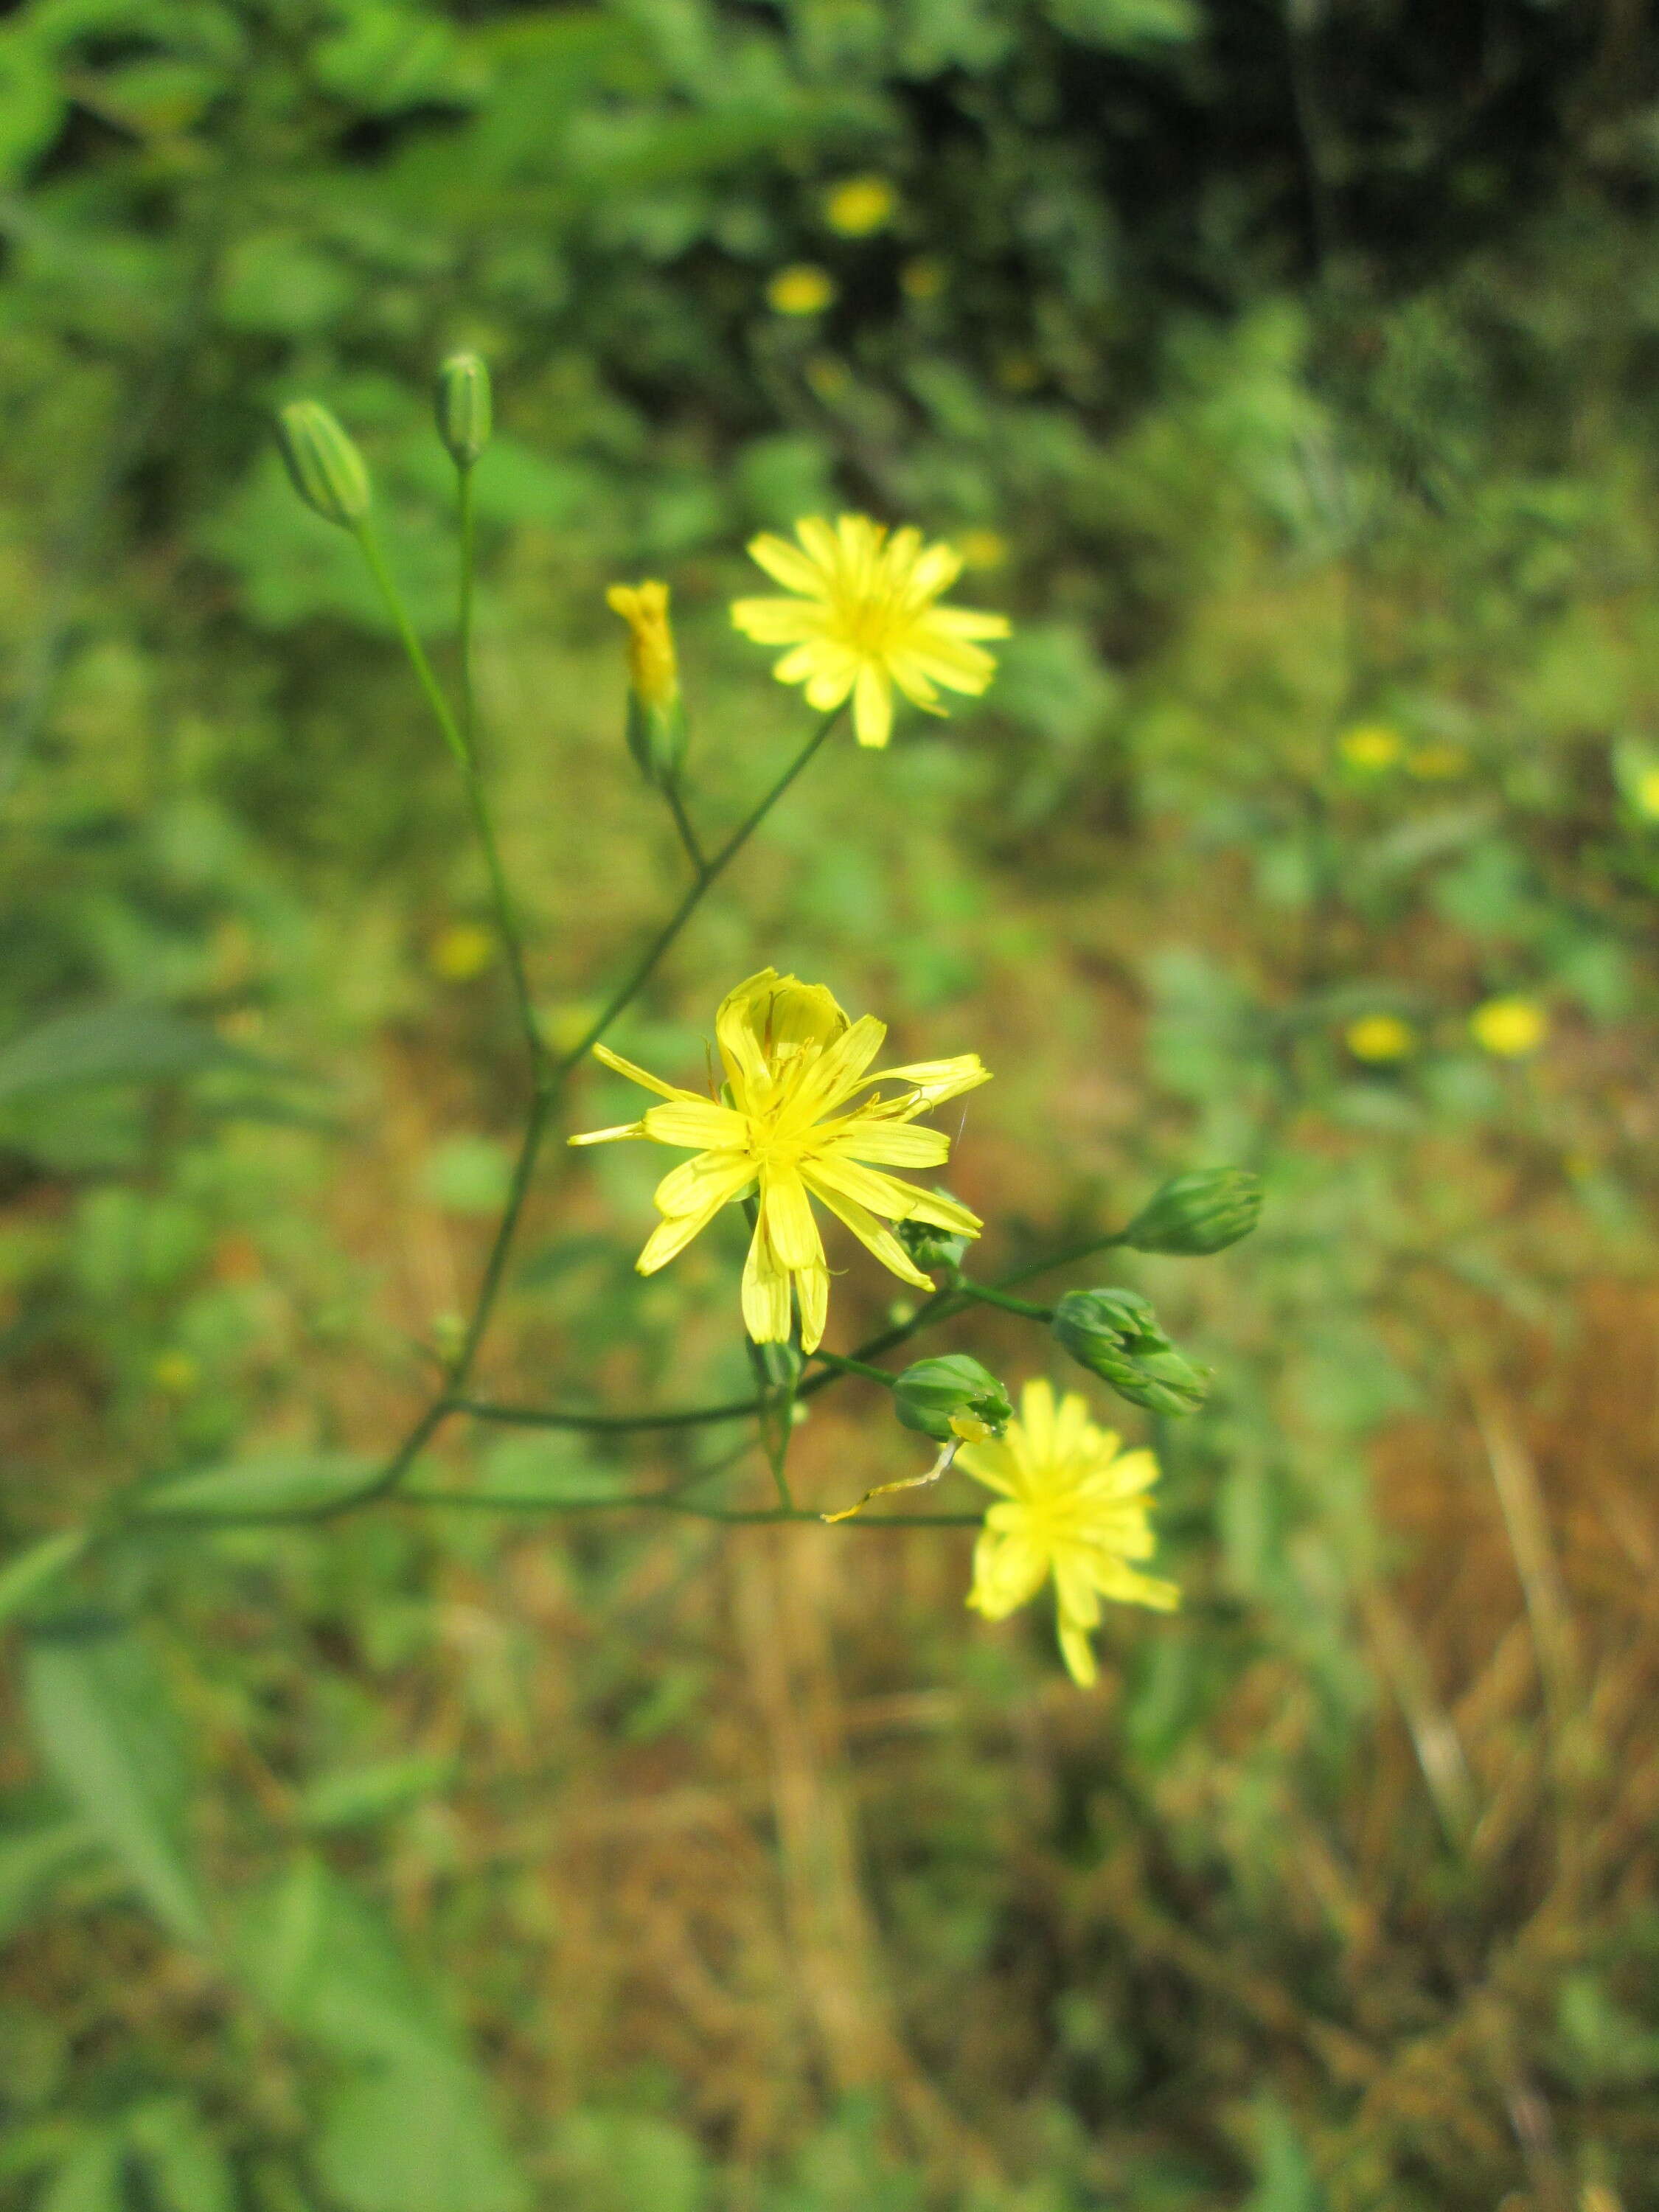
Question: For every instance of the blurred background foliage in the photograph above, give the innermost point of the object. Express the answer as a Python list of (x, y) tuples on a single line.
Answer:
[(1286, 373)]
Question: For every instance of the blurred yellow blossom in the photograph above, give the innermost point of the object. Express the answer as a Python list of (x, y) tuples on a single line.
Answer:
[(864, 619), (922, 278), (1644, 793), (460, 952), (1370, 747), (1511, 1028), (175, 1373), (651, 665), (1437, 764), (829, 376), (859, 205), (1380, 1037), (983, 549), (793, 1066), (803, 289), (1073, 1505)]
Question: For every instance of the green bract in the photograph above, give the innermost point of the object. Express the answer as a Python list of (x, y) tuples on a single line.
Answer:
[(327, 469), (463, 407), (1203, 1211), (932, 1248), (952, 1399), (1116, 1334)]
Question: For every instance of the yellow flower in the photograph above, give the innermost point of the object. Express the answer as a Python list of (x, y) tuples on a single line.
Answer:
[(651, 667), (175, 1372), (1437, 764), (1073, 1505), (1510, 1028), (1380, 1037), (1644, 790), (864, 619), (859, 205), (803, 289), (1370, 747), (983, 549), (793, 1066), (461, 951)]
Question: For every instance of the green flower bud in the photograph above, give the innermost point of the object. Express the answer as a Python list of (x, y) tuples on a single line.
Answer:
[(1116, 1335), (463, 407), (952, 1399), (1203, 1211), (929, 1246), (781, 1364), (327, 469)]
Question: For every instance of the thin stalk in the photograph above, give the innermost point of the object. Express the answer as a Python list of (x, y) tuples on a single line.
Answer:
[(688, 836), (848, 1365), (553, 1416), (982, 1294), (669, 1501)]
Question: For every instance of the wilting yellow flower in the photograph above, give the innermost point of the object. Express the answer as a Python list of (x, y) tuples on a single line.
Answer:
[(651, 667), (461, 951), (859, 205), (1437, 764), (794, 1066), (803, 289), (1380, 1037), (1510, 1028), (1073, 1505), (1370, 747), (1644, 791), (865, 619)]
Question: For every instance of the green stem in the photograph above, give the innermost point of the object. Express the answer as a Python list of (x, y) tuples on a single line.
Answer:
[(982, 1294), (688, 836), (847, 1365), (668, 1501), (550, 1417)]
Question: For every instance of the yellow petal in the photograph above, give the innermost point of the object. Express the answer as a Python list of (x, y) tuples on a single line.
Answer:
[(765, 1292), (642, 1076), (795, 571), (1036, 1419), (698, 1121), (691, 1187), (868, 1230), (873, 707), (1008, 1572), (935, 1080), (836, 671), (792, 1232), (990, 1463), (812, 1289), (1077, 1652), (777, 622), (892, 1144), (609, 1136)]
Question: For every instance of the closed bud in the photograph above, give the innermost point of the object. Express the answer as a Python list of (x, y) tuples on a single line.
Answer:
[(781, 1364), (327, 469), (1203, 1211), (463, 407), (930, 1246), (656, 718), (1116, 1334), (952, 1399)]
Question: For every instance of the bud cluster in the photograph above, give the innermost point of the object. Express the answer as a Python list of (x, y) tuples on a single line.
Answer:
[(1116, 1335), (952, 1399)]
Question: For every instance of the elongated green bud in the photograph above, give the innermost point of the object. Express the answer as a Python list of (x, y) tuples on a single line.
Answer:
[(463, 407), (1203, 1211), (656, 715), (327, 469), (1116, 1334), (952, 1399)]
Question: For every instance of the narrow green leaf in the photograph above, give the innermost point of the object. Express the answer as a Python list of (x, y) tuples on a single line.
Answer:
[(113, 1044), (186, 2168), (297, 1483), (26, 1573), (107, 1733), (89, 2179)]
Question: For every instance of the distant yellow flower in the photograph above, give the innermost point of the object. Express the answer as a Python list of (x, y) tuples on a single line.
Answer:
[(175, 1373), (983, 549), (1437, 764), (829, 376), (1073, 1505), (1370, 747), (864, 619), (803, 289), (793, 1064), (859, 205), (652, 668), (1380, 1037), (923, 278), (1644, 790), (460, 952), (1510, 1028)]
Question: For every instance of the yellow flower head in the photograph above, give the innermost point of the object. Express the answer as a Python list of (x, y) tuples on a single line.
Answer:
[(803, 289), (461, 951), (864, 619), (797, 1124), (1372, 747), (1644, 790), (859, 205), (651, 667), (1073, 1505), (1380, 1037), (1510, 1028)]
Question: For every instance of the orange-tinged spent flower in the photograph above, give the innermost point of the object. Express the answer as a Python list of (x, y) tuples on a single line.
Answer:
[(864, 618), (461, 951), (1072, 1505), (804, 1120), (803, 289), (1380, 1037), (859, 205), (1511, 1028), (1370, 747), (652, 668)]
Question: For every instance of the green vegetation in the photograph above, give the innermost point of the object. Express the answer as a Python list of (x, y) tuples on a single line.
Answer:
[(1287, 380)]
